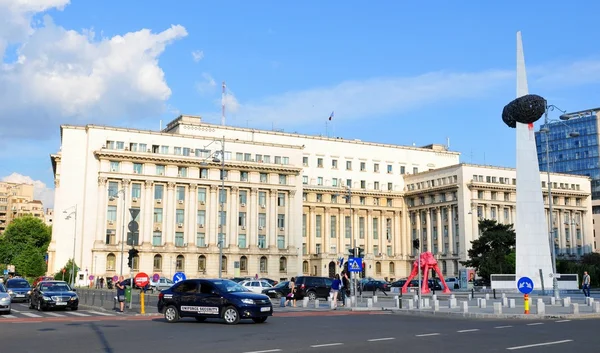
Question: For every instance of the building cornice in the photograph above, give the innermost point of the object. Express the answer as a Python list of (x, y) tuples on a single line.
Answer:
[(355, 192)]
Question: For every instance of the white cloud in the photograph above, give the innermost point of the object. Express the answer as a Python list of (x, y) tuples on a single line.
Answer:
[(40, 190), (65, 76), (231, 103), (197, 55), (207, 84)]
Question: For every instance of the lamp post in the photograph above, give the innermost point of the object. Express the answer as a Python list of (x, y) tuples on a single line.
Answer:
[(111, 198), (546, 130), (74, 214), (353, 239)]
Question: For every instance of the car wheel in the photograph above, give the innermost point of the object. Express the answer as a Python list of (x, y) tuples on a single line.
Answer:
[(277, 295), (312, 296), (231, 315), (171, 314), (200, 318), (39, 306), (259, 320)]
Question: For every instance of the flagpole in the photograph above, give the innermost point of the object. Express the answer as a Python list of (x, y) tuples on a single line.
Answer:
[(326, 129)]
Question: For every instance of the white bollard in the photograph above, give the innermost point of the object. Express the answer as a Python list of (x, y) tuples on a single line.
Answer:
[(347, 302), (353, 299), (596, 307), (305, 302), (590, 301), (566, 302), (452, 303), (541, 307), (426, 303), (512, 303), (434, 297), (482, 304), (552, 301), (369, 303), (465, 307), (504, 301), (452, 296), (331, 304), (575, 308), (316, 303), (487, 296), (436, 305), (503, 295), (396, 302), (409, 304), (497, 308), (479, 301), (374, 299)]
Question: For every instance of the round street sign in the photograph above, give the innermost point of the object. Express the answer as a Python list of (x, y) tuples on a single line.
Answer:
[(133, 226), (178, 277), (155, 277), (525, 285), (64, 270), (91, 277), (115, 278), (141, 280)]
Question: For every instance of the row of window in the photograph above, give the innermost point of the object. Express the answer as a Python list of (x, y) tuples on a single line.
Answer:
[(453, 179), (362, 165), (338, 182), (333, 249), (362, 200), (194, 152), (333, 230)]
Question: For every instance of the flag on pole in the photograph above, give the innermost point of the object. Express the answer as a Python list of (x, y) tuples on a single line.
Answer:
[(331, 116)]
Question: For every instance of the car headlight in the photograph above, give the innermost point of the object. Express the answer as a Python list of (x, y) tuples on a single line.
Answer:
[(4, 299), (10, 291), (74, 297), (28, 292), (46, 298), (248, 301)]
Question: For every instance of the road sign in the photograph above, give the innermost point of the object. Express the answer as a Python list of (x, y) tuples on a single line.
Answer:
[(525, 285), (133, 238), (115, 278), (178, 277), (133, 226), (134, 212), (5, 272), (91, 277), (355, 264), (64, 270), (155, 277), (141, 280)]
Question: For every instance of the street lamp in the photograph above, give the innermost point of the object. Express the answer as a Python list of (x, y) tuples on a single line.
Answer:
[(112, 198), (74, 214), (221, 196), (546, 130)]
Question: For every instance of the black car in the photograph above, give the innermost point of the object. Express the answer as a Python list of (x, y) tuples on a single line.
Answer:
[(18, 289), (280, 290), (313, 287), (53, 294), (372, 286), (213, 298)]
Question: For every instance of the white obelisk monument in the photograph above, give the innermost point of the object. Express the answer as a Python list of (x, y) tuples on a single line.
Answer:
[(533, 250)]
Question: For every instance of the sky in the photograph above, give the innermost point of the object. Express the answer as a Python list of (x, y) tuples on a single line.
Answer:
[(392, 71)]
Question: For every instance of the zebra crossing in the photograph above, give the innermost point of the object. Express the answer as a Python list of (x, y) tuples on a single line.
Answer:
[(21, 311)]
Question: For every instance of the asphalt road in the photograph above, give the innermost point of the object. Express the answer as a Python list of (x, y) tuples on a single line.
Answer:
[(344, 332)]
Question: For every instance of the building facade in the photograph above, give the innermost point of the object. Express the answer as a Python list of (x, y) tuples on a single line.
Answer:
[(17, 200)]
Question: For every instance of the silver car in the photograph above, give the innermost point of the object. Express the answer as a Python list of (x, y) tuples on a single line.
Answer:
[(5, 300)]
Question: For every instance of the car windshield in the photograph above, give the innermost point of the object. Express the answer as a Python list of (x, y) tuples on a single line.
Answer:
[(2, 289), (283, 284), (228, 286), (55, 287), (17, 284)]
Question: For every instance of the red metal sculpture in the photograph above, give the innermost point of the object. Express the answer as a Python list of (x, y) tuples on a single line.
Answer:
[(428, 262)]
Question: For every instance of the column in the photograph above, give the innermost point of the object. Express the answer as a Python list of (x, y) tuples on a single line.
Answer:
[(147, 220), (369, 241), (398, 238), (429, 230), (272, 229), (342, 231), (212, 218), (355, 226), (102, 210), (562, 246), (440, 231), (451, 230), (252, 229), (192, 215), (418, 229), (233, 212), (290, 227), (311, 236), (169, 211), (326, 231)]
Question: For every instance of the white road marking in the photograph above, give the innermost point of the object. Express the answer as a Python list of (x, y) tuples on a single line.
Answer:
[(427, 334), (503, 326), (563, 321), (76, 313), (471, 330), (55, 314), (326, 345), (99, 313), (31, 315), (267, 351), (16, 311), (381, 339), (538, 345), (535, 324), (8, 317)]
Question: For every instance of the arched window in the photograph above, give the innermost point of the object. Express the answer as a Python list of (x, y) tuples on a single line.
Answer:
[(263, 264), (135, 263), (201, 263), (180, 263), (392, 268), (244, 264), (282, 264), (444, 267), (224, 264), (157, 263), (378, 267), (305, 267), (111, 260), (455, 267)]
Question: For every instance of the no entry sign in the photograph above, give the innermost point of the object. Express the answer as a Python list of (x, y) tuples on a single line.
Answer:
[(141, 280)]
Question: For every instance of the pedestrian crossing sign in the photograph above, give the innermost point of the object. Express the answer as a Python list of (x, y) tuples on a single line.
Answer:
[(355, 264)]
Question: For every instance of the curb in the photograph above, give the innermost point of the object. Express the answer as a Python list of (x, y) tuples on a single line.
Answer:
[(492, 316), (96, 308)]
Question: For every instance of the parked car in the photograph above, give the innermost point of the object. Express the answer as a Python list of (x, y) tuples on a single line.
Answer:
[(374, 285), (162, 283), (282, 289), (5, 300), (271, 281), (256, 286), (213, 298), (313, 287), (53, 294), (453, 282), (18, 289), (41, 278)]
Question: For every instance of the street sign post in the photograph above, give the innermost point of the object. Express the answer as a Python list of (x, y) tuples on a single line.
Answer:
[(141, 280), (155, 277), (115, 278), (178, 277), (525, 286), (355, 264)]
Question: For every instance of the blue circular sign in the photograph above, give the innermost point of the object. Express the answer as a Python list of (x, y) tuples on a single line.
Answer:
[(525, 285), (178, 277)]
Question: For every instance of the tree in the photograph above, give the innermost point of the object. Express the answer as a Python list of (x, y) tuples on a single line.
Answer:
[(30, 262), (23, 235), (492, 252), (68, 267)]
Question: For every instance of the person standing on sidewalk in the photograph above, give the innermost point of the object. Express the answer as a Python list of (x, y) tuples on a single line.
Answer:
[(586, 284), (335, 289), (121, 293)]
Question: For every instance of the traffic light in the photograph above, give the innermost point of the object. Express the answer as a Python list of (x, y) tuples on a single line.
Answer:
[(132, 253), (416, 243), (361, 253), (351, 252)]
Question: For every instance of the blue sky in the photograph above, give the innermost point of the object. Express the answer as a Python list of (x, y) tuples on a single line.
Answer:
[(393, 71)]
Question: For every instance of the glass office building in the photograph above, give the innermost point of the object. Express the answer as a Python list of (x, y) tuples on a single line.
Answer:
[(572, 155)]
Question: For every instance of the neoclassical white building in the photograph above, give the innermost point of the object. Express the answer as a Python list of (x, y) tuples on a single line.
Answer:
[(293, 204)]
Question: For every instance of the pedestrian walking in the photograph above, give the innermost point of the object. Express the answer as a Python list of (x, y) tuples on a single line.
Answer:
[(335, 288), (586, 284), (121, 293), (291, 296)]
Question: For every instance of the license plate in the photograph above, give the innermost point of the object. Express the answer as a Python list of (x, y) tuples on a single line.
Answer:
[(61, 303), (20, 295), (265, 309)]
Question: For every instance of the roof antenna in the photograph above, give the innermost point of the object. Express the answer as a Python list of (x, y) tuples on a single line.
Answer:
[(223, 105), (160, 126)]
